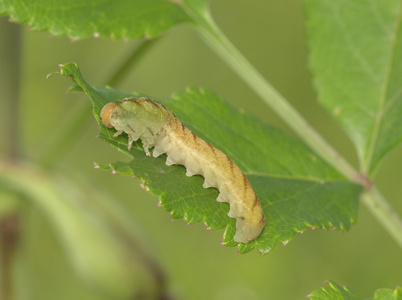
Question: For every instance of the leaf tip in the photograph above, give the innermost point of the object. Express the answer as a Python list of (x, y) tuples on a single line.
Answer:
[(112, 169), (144, 185)]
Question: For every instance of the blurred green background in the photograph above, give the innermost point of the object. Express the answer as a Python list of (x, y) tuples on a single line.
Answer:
[(195, 264)]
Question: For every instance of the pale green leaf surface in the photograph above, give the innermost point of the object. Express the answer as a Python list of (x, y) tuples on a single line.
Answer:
[(123, 19), (332, 292), (336, 292), (356, 59), (388, 294), (296, 188)]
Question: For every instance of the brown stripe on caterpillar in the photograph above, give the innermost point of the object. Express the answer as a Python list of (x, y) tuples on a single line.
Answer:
[(158, 127)]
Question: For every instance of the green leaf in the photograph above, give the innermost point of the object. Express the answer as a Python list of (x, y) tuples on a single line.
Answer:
[(333, 292), (296, 188), (336, 292), (388, 294), (356, 58), (123, 19)]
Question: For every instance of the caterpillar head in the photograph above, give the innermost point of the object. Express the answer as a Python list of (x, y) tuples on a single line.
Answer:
[(105, 114)]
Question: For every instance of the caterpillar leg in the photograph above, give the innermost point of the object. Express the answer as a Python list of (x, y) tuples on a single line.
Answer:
[(146, 149), (130, 142), (118, 132)]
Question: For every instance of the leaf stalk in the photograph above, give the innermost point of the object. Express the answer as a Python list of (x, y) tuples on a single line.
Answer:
[(384, 213)]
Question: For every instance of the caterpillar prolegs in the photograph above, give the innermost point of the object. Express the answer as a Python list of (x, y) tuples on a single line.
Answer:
[(158, 127)]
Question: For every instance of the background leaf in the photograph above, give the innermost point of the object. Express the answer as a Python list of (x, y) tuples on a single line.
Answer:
[(123, 19), (333, 292), (388, 294), (296, 188), (336, 292), (356, 58)]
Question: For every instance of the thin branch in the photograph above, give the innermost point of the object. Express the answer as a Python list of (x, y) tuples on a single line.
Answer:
[(9, 236), (384, 213), (9, 126), (10, 86)]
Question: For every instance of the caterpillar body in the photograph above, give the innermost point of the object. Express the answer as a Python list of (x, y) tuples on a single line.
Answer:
[(158, 127)]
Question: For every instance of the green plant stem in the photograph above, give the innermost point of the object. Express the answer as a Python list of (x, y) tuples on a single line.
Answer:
[(10, 41), (380, 208), (384, 213), (216, 39), (9, 87), (81, 113)]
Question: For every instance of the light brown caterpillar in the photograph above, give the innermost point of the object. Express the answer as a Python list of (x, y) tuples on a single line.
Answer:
[(158, 127)]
